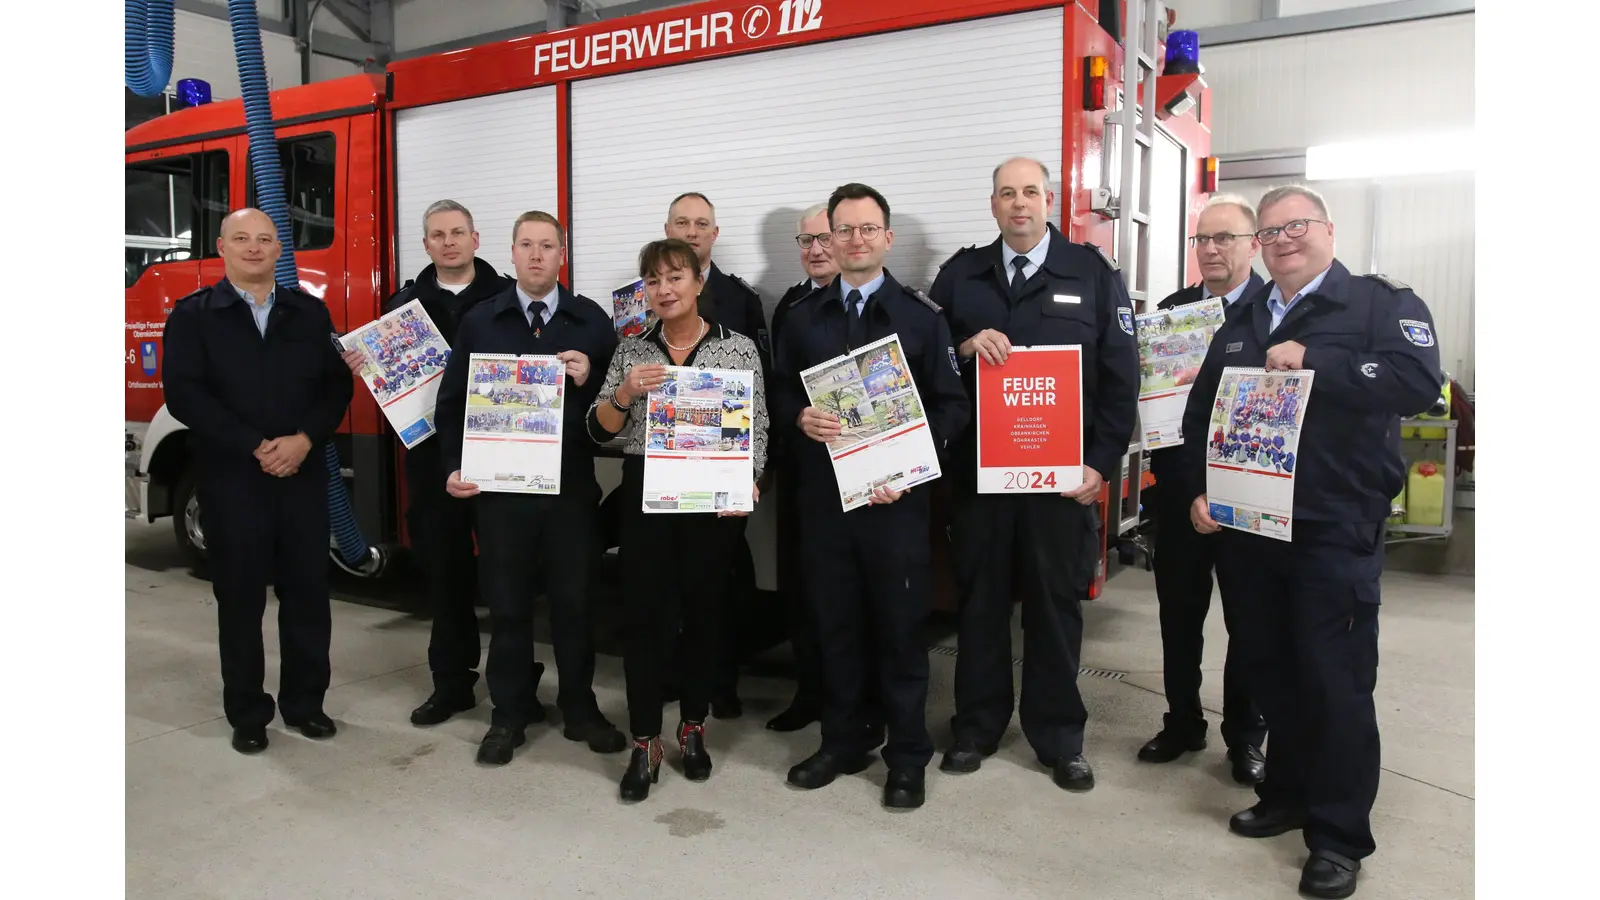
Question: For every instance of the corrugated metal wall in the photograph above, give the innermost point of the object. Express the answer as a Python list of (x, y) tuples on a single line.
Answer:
[(1410, 78)]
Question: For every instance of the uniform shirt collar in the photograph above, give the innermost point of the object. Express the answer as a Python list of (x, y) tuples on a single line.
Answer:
[(1036, 256), (1232, 297), (1276, 297), (250, 299), (867, 290), (550, 300)]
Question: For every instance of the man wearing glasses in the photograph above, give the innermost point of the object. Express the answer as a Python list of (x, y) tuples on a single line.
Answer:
[(1306, 611), (1225, 244), (870, 565), (816, 258), (1032, 286)]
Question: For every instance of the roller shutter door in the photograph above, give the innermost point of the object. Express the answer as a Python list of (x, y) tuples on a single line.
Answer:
[(922, 115), (495, 155)]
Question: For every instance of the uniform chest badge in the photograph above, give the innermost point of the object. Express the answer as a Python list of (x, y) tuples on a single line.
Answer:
[(1369, 369), (1419, 333), (1234, 347), (1125, 318)]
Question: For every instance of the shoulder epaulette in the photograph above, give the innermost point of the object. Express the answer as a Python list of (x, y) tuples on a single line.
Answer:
[(1393, 285), (744, 284), (1106, 258), (926, 300), (192, 295), (953, 256)]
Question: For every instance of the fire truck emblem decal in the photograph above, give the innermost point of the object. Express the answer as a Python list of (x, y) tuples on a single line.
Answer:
[(756, 22)]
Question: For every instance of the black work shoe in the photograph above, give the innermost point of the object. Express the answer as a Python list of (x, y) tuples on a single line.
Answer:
[(904, 789), (644, 769), (1249, 766), (1167, 746), (250, 739), (440, 706), (797, 716), (692, 747), (1073, 774), (598, 733), (498, 743), (1263, 821), (822, 767), (729, 707), (1329, 875), (966, 756), (316, 726)]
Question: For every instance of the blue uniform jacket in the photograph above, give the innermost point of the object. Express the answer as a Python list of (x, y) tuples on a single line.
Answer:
[(1372, 345), (500, 326), (1076, 297), (234, 388)]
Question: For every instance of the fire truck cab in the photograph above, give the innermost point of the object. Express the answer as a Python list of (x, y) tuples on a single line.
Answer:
[(763, 106)]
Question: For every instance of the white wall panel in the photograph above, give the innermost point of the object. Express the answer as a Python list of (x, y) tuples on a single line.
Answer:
[(1408, 78), (423, 23), (1425, 239), (1194, 14), (495, 155), (921, 115), (203, 48)]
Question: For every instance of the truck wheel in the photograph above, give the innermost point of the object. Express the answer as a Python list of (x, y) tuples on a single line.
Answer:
[(188, 523)]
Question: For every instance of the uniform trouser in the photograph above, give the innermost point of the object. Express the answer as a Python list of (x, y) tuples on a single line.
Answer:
[(674, 571), (260, 528), (441, 530), (740, 593), (791, 578), (1307, 618), (1183, 563), (1041, 547), (867, 583), (523, 543)]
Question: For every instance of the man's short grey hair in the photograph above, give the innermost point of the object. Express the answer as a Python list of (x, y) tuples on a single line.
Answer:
[(441, 206), (1044, 170), (1279, 194), (1235, 200), (812, 211)]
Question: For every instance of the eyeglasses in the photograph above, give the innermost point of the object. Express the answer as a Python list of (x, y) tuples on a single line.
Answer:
[(1222, 239), (806, 240), (869, 233), (1294, 229)]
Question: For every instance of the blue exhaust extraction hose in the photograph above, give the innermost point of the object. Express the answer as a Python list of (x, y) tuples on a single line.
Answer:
[(147, 45)]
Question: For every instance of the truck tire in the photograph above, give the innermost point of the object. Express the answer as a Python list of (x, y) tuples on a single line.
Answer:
[(188, 524)]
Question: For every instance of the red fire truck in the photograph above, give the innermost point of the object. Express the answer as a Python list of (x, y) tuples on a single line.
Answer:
[(763, 105)]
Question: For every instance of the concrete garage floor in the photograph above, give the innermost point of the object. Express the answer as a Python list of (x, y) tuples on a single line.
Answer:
[(386, 810)]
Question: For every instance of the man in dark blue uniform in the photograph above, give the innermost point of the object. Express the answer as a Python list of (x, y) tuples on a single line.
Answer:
[(1225, 244), (1306, 621), (1032, 286), (815, 240), (736, 305), (253, 372), (440, 527), (521, 538), (871, 562)]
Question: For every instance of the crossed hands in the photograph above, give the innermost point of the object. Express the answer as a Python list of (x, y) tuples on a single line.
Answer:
[(281, 457)]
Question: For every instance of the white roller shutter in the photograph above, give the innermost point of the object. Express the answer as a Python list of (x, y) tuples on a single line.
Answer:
[(922, 115), (495, 155)]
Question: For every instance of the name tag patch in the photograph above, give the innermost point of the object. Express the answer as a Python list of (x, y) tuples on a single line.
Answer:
[(1234, 347), (1067, 298)]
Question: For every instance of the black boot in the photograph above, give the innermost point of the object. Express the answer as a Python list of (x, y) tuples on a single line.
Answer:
[(692, 744), (644, 769)]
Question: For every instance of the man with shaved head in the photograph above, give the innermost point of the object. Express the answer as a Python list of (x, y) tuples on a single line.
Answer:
[(1033, 287), (253, 371)]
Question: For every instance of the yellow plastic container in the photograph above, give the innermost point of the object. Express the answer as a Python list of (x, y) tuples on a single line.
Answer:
[(1441, 410), (1425, 494)]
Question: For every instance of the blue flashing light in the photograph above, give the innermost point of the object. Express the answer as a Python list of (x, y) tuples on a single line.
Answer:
[(193, 92), (1183, 53)]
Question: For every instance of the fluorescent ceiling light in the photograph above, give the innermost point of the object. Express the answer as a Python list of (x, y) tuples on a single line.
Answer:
[(1417, 155)]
